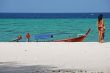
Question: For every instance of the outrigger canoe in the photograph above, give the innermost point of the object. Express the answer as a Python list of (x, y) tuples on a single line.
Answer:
[(77, 39)]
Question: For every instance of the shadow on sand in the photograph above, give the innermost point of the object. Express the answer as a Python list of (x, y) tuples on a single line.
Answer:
[(13, 67)]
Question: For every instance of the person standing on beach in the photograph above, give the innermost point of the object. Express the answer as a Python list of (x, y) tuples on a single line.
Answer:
[(101, 28), (27, 37)]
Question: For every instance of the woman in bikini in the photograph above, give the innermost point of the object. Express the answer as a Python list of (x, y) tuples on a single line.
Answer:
[(100, 26)]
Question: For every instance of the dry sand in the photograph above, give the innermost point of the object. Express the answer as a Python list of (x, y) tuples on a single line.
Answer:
[(86, 55)]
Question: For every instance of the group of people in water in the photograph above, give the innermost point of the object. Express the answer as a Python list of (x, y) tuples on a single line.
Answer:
[(101, 28)]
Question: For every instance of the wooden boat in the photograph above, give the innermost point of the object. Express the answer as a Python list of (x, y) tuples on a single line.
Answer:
[(77, 39)]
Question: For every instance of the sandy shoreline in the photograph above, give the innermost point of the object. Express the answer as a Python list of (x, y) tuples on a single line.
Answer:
[(85, 55)]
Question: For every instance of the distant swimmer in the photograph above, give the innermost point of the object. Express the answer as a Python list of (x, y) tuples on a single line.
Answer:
[(28, 37)]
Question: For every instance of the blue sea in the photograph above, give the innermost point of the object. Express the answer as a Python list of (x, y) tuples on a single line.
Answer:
[(60, 25)]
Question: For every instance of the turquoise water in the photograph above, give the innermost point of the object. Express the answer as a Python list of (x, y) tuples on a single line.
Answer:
[(11, 28)]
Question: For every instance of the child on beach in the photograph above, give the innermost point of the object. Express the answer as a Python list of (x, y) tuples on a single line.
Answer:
[(18, 38), (28, 37)]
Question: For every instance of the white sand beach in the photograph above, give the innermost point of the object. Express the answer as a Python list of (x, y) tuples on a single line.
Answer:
[(84, 55)]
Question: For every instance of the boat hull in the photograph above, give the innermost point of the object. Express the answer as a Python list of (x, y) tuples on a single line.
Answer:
[(77, 39)]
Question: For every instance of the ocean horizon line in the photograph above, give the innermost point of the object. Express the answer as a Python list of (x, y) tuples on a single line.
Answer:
[(54, 12), (53, 15)]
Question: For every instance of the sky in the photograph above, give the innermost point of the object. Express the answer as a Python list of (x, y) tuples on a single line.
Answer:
[(54, 6)]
